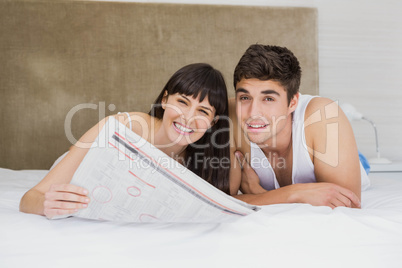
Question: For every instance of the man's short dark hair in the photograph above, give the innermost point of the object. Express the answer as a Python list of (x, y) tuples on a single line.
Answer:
[(266, 62)]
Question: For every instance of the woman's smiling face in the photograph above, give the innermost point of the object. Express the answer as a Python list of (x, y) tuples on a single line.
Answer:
[(186, 119)]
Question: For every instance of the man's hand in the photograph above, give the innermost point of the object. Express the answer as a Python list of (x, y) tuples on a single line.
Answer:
[(325, 194), (316, 194), (62, 199), (250, 183)]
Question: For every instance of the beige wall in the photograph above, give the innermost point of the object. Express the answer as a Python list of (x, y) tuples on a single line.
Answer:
[(59, 56), (360, 62)]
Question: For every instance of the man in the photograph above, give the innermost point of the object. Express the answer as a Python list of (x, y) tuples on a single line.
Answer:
[(293, 148)]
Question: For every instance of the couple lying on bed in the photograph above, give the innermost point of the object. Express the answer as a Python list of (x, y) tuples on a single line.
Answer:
[(285, 147)]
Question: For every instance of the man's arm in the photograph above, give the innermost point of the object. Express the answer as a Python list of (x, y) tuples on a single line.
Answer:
[(316, 194), (332, 145), (333, 189)]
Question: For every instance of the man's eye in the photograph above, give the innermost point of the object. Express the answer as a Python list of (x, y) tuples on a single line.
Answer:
[(243, 98), (269, 99)]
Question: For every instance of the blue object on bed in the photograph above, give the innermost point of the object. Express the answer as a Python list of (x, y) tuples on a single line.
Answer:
[(364, 162)]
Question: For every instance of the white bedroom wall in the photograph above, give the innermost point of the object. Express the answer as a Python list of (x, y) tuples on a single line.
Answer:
[(360, 62)]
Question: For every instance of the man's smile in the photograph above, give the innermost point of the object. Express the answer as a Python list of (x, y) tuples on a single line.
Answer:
[(256, 126)]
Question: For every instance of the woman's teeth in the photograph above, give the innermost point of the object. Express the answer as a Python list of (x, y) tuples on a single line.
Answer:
[(183, 128)]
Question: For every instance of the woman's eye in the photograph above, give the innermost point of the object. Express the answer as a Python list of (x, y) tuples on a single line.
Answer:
[(204, 112), (182, 101)]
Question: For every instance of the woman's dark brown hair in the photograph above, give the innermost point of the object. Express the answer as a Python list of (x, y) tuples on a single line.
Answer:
[(209, 156)]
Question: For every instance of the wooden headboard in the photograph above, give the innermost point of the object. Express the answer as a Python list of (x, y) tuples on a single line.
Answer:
[(77, 61)]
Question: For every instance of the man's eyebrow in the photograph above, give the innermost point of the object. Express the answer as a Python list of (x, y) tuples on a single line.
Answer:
[(264, 92), (241, 90), (270, 91)]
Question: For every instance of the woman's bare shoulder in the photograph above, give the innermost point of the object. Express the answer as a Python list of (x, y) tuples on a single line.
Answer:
[(140, 122)]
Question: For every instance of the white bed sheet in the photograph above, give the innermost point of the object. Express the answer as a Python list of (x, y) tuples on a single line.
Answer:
[(286, 235)]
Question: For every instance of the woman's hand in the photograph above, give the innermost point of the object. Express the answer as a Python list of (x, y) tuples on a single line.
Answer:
[(62, 199)]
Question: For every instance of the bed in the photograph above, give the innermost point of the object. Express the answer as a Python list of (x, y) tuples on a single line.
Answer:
[(287, 235), (67, 64)]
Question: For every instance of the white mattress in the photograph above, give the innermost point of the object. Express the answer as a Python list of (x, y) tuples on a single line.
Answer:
[(286, 235)]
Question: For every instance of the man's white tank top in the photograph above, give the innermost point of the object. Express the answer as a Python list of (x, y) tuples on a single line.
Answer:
[(302, 167)]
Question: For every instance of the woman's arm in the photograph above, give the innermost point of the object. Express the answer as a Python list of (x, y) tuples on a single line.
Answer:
[(54, 195)]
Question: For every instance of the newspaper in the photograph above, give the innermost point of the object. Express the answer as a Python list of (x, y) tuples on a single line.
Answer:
[(130, 180)]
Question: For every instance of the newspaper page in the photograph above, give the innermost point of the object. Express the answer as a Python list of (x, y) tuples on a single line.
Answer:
[(130, 180)]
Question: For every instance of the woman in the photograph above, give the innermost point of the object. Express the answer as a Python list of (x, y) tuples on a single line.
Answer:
[(182, 123)]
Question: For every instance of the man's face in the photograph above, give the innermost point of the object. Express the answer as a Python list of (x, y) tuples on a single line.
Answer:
[(262, 109)]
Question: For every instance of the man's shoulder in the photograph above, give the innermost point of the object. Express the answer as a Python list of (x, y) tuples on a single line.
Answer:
[(320, 104), (321, 113)]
